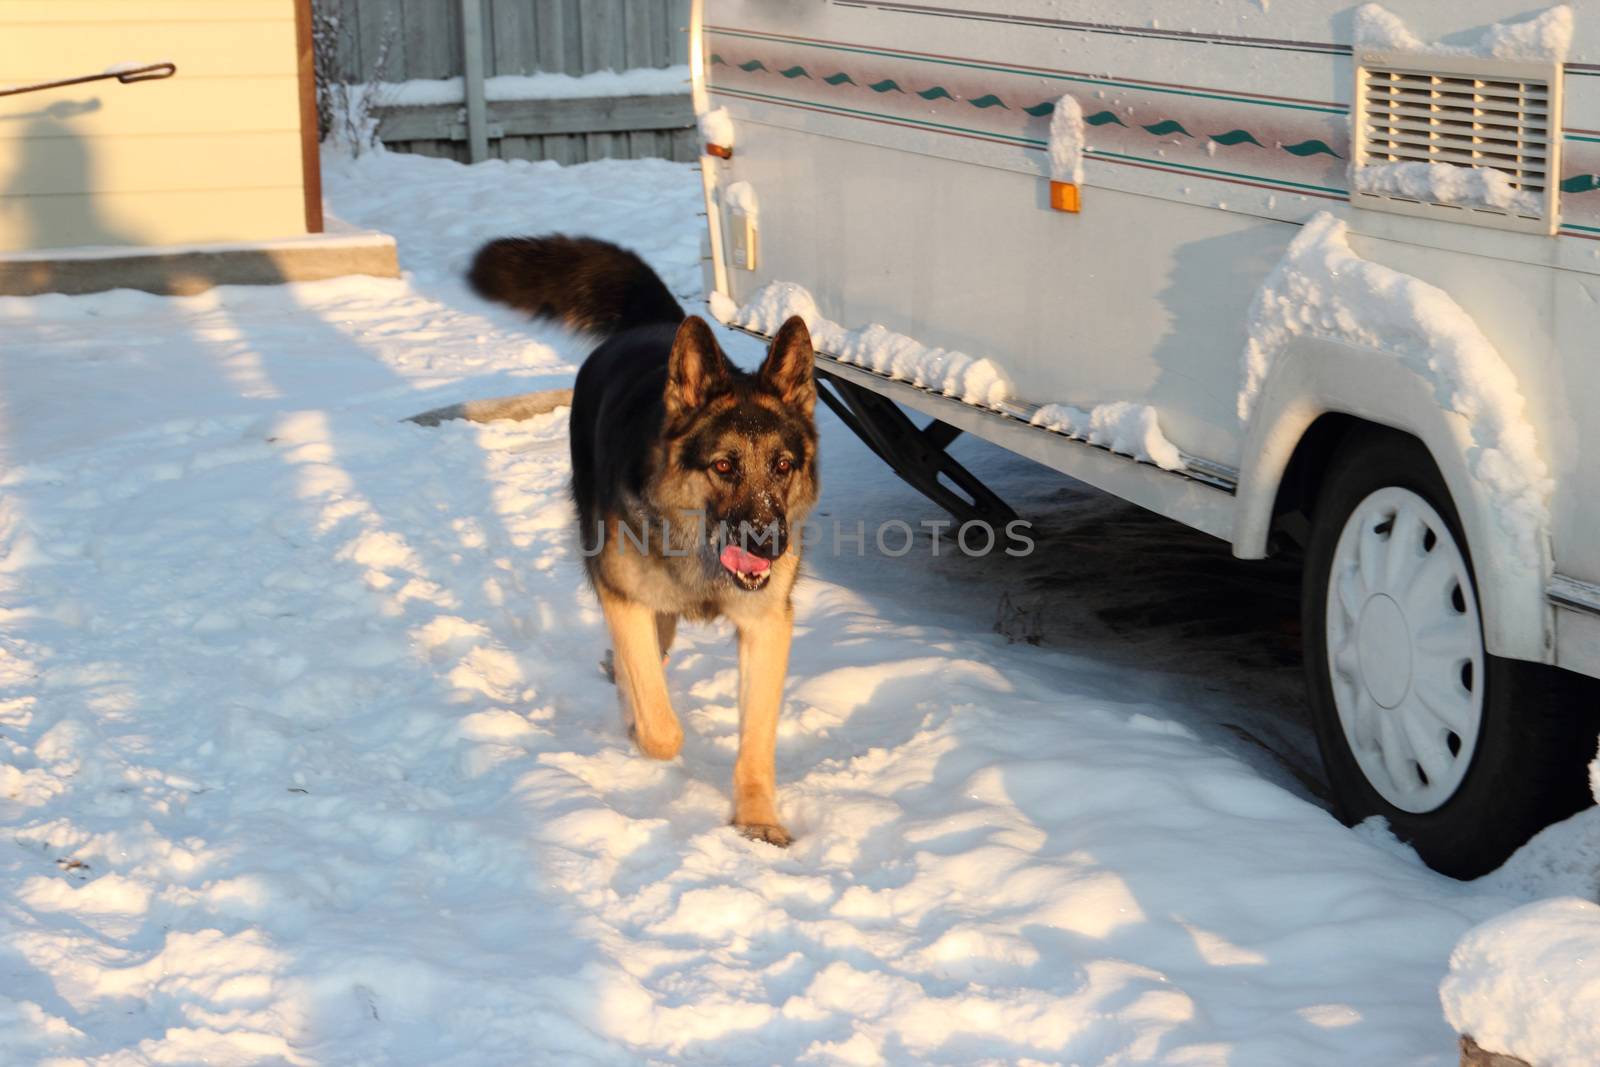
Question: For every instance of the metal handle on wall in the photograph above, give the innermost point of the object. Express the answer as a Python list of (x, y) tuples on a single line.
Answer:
[(147, 73)]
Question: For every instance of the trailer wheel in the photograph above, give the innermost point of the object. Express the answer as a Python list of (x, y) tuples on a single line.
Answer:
[(1467, 755)]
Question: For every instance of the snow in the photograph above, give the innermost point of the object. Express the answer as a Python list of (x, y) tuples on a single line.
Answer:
[(642, 81), (1528, 984), (722, 307), (1545, 37), (716, 127), (1322, 288), (304, 757), (1124, 427), (1066, 141), (1445, 183), (1561, 860)]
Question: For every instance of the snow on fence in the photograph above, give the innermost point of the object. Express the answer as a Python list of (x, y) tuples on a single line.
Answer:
[(568, 80)]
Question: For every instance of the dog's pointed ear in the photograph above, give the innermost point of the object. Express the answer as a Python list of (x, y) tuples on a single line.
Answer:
[(789, 370), (696, 368)]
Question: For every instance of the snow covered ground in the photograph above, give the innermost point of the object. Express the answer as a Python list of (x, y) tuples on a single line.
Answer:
[(305, 757)]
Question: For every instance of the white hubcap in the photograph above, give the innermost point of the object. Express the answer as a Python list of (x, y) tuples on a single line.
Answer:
[(1405, 651)]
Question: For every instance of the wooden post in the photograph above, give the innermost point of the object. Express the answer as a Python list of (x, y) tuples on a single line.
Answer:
[(310, 138), (472, 70)]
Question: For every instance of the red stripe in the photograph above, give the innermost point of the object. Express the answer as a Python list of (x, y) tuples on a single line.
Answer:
[(1106, 27), (867, 118), (1219, 178)]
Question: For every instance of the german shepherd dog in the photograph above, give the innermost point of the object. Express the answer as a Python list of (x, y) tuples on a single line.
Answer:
[(691, 480)]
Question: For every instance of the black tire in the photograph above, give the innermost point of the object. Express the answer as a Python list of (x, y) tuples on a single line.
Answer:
[(1537, 731)]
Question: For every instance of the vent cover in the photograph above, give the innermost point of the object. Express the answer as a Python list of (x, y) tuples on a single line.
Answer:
[(1475, 141)]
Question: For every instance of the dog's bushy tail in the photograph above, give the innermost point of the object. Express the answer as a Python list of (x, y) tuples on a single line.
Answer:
[(583, 283)]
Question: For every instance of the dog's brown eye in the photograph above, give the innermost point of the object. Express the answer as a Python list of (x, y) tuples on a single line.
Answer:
[(784, 465), (723, 466)]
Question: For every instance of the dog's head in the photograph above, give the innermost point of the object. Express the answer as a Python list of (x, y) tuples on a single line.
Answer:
[(740, 450)]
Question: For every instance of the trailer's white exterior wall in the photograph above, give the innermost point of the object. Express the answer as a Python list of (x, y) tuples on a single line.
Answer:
[(899, 151), (1340, 263)]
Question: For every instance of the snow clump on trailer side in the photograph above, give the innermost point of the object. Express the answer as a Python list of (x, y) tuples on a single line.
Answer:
[(1066, 141), (1526, 984), (716, 127), (1445, 183), (1547, 36), (1122, 426), (722, 308), (741, 196), (1321, 288), (876, 348)]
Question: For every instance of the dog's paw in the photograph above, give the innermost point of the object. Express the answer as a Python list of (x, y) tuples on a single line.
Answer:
[(663, 744), (769, 832)]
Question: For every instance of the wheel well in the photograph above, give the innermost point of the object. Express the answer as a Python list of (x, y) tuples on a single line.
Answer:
[(1308, 467)]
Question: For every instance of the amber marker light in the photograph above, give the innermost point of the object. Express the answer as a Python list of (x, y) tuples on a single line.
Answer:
[(1064, 197), (720, 151)]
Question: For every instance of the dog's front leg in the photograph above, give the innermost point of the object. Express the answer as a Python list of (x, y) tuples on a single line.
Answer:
[(640, 679), (763, 662)]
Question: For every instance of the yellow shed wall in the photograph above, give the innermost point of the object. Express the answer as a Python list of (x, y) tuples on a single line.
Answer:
[(209, 155)]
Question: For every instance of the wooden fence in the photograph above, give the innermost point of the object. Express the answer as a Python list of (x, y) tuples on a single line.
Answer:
[(402, 40)]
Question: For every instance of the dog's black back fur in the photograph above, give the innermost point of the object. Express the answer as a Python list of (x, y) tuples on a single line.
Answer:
[(623, 424), (618, 393), (582, 282)]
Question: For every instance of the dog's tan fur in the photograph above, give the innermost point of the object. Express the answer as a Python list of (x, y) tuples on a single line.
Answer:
[(644, 593), (664, 430)]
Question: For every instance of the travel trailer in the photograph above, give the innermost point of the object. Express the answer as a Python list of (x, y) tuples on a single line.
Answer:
[(1304, 274)]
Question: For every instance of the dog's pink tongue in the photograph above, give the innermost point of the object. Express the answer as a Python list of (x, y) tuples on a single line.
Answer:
[(739, 561)]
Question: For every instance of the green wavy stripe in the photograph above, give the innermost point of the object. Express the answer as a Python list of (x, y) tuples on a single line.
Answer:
[(1042, 146), (718, 61), (1311, 148), (1233, 137), (1095, 81), (1582, 183), (1161, 129), (1100, 118)]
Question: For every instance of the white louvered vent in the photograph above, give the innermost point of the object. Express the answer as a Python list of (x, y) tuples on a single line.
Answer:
[(1475, 141)]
